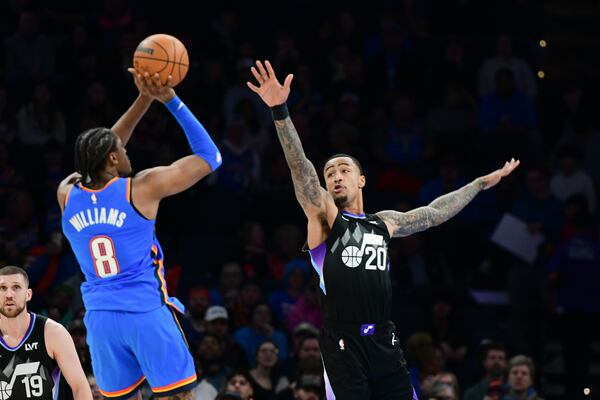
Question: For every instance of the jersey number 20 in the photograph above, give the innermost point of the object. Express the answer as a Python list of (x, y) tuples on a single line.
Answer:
[(103, 254)]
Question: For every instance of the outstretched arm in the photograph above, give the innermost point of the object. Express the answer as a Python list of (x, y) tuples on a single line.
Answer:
[(443, 208), (124, 127), (153, 184), (312, 197)]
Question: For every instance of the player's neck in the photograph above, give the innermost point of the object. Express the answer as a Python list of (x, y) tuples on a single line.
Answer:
[(16, 327), (355, 207), (105, 177)]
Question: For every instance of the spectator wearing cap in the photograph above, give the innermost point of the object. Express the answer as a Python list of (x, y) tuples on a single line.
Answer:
[(494, 364), (217, 324), (193, 324), (295, 277)]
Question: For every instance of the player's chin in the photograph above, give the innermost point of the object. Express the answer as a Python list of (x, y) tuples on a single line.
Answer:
[(340, 200)]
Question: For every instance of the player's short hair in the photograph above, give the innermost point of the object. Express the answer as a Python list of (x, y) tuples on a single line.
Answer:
[(12, 270), (91, 149), (358, 164)]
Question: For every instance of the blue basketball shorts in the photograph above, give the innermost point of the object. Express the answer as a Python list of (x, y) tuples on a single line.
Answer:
[(129, 348)]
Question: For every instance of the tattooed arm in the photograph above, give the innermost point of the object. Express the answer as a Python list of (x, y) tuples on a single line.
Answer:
[(317, 204), (440, 210), (443, 208), (307, 187)]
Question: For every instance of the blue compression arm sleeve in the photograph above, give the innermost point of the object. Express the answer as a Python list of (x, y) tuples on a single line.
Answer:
[(199, 140)]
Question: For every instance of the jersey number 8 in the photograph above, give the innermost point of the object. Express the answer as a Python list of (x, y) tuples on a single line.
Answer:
[(103, 253)]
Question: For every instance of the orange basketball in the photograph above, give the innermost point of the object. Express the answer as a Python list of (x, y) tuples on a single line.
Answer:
[(162, 54)]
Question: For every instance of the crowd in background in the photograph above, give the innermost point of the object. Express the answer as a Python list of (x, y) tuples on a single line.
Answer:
[(427, 95)]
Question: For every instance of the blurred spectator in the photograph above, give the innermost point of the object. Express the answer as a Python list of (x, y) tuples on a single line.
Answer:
[(217, 325), (586, 138), (573, 274), (493, 358), (241, 163), (537, 206), (9, 178), (239, 382), (442, 391), (424, 358), (194, 325), (8, 122), (211, 362), (266, 377), (53, 265), (505, 59), (288, 240), (450, 125), (401, 140), (260, 330), (574, 206), (238, 91), (251, 250), (229, 283), (29, 53), (309, 387), (521, 373), (447, 330), (40, 120), (306, 309), (571, 179), (19, 230), (97, 110), (295, 280), (506, 109), (251, 294)]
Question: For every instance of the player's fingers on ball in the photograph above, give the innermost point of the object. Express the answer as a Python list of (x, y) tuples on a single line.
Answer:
[(262, 70), (169, 81)]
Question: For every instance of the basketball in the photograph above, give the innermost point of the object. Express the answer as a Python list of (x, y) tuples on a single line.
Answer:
[(163, 54)]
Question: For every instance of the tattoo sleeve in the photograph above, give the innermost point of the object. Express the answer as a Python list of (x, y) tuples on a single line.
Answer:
[(306, 181), (440, 210)]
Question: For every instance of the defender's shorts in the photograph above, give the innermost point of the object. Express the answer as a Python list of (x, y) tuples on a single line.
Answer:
[(364, 362), (128, 348)]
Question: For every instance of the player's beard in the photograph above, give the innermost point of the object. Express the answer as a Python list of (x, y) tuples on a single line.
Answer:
[(16, 311), (341, 201)]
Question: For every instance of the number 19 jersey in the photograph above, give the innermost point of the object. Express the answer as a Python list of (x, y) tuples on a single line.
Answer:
[(353, 268), (116, 248)]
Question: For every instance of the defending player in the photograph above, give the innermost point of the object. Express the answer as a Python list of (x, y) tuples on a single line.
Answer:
[(35, 351), (348, 249), (109, 220)]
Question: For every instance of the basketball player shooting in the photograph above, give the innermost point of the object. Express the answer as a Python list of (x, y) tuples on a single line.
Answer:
[(348, 249), (108, 218)]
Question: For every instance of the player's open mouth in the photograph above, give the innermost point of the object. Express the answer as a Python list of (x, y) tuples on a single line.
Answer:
[(337, 188)]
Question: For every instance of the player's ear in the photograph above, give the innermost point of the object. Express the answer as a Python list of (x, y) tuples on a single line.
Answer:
[(362, 181), (112, 158), (29, 294)]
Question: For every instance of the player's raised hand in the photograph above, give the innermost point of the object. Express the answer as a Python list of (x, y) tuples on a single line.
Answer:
[(269, 89), (152, 87), (492, 179)]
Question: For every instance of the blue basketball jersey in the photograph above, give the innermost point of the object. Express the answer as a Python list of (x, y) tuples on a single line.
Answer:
[(116, 248)]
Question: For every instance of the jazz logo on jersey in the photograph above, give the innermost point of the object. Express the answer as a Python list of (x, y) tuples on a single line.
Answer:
[(372, 246), (34, 386)]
